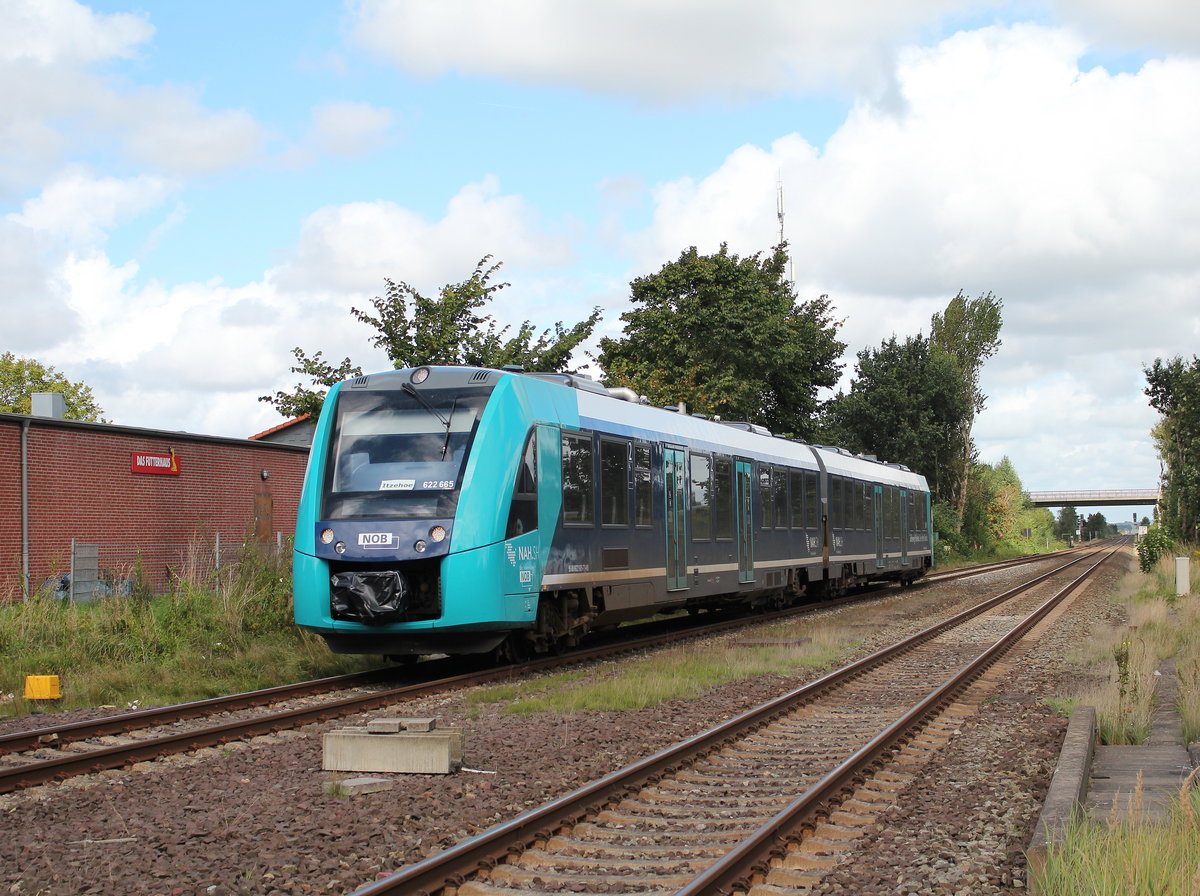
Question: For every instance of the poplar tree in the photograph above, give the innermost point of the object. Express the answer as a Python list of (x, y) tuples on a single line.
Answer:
[(969, 332)]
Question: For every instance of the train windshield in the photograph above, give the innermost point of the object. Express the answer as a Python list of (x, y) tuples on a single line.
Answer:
[(400, 453)]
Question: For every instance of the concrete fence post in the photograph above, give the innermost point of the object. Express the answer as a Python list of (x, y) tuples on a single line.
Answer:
[(1183, 576)]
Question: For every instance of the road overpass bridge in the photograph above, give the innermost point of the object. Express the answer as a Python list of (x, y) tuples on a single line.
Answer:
[(1095, 498)]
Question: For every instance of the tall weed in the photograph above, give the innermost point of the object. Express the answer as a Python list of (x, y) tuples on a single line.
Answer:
[(1110, 858)]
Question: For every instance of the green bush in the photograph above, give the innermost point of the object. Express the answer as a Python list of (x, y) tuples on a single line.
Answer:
[(1153, 545)]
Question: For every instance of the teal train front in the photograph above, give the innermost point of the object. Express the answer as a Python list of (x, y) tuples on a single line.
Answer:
[(464, 510)]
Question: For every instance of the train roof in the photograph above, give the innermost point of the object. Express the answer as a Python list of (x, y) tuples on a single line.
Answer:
[(621, 412), (645, 420)]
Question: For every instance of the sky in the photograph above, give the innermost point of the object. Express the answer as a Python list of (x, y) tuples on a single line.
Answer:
[(188, 191)]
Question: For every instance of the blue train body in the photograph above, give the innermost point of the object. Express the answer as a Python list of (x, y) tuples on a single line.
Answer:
[(464, 510)]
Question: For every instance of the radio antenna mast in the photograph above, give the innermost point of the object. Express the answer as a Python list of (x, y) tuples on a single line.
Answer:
[(779, 215)]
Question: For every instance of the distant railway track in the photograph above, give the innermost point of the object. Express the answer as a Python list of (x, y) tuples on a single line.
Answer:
[(34, 768), (719, 813)]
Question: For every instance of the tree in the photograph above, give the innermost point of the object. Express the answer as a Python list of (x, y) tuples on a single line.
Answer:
[(1067, 524), (1097, 526), (725, 335), (303, 401), (447, 329), (905, 405), (1007, 500), (969, 331), (21, 377), (1173, 388)]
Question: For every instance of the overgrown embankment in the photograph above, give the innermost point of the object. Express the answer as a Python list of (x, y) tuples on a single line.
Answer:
[(211, 635)]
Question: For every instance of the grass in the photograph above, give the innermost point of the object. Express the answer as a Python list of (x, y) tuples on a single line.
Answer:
[(206, 638), (1124, 658), (681, 673), (1131, 858)]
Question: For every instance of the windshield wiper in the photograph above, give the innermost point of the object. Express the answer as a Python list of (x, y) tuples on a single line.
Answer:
[(446, 443), (409, 390)]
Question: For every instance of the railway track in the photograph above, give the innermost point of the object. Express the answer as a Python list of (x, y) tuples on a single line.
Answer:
[(720, 813), (23, 755), (57, 752)]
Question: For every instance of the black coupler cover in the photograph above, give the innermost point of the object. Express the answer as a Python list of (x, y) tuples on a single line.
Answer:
[(372, 598)]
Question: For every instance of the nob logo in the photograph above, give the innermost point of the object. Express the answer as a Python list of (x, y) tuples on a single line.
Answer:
[(375, 539)]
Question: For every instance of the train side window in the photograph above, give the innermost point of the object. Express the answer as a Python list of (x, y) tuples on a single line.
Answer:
[(764, 496), (779, 489), (577, 480), (614, 483), (523, 512), (812, 502), (643, 507), (722, 498), (701, 497), (797, 485)]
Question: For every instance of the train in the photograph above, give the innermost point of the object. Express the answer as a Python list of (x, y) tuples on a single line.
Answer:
[(466, 510)]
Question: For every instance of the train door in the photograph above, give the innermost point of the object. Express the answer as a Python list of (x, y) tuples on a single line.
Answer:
[(903, 527), (675, 487), (877, 504), (744, 497)]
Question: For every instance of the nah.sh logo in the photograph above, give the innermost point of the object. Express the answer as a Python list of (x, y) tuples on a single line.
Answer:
[(375, 539)]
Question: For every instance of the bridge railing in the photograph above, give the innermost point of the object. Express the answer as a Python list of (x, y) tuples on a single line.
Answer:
[(1094, 497)]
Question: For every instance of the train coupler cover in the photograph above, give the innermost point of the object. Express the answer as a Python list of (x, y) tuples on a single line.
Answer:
[(372, 598)]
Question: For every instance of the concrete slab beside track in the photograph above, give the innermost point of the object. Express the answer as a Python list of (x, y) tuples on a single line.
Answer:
[(1135, 784)]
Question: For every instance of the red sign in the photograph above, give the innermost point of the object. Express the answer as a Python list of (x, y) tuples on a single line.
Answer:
[(162, 464)]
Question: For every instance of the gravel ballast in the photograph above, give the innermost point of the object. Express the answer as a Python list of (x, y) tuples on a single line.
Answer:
[(260, 817)]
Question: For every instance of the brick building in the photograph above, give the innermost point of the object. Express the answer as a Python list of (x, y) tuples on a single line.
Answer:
[(161, 500)]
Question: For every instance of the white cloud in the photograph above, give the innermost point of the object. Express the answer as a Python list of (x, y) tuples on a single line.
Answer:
[(1172, 25), (353, 247), (661, 50), (33, 305), (1068, 193), (1009, 166), (168, 129), (57, 31), (192, 355), (350, 129), (81, 207), (59, 101)]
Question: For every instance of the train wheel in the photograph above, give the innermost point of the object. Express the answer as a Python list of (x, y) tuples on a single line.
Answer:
[(513, 649)]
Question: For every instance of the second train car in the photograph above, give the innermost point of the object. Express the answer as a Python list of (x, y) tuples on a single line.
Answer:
[(466, 510)]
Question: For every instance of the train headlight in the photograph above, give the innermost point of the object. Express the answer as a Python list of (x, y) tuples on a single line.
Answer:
[(420, 375), (326, 536), (437, 533), (340, 547), (420, 546)]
